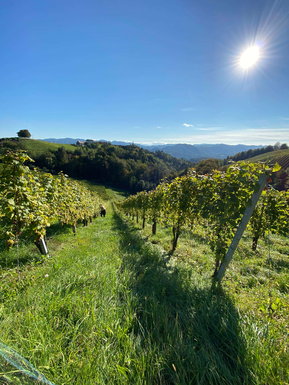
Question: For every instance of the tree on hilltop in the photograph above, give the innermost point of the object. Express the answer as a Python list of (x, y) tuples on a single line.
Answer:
[(23, 134)]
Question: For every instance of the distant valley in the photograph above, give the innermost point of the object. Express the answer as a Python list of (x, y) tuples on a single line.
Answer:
[(192, 152)]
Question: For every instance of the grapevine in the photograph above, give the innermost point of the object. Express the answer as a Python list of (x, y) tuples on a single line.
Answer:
[(31, 200), (217, 200)]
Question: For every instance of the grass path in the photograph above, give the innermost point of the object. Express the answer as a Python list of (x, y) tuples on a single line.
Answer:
[(105, 309), (68, 317)]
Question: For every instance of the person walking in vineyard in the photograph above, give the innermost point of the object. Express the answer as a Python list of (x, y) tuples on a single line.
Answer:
[(102, 211)]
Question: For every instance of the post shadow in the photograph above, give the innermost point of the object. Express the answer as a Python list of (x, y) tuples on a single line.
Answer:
[(193, 330), (7, 262), (10, 260), (58, 229)]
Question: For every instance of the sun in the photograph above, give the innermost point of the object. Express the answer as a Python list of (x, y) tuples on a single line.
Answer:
[(249, 57)]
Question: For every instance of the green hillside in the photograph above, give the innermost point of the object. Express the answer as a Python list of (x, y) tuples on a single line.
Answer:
[(33, 146), (280, 180), (271, 157), (126, 167)]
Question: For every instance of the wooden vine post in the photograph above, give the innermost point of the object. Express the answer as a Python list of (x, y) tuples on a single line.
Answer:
[(240, 230)]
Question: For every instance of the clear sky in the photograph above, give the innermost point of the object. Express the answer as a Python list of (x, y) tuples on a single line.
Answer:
[(145, 70)]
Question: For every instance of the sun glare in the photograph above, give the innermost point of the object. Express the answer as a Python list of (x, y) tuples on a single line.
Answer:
[(249, 57)]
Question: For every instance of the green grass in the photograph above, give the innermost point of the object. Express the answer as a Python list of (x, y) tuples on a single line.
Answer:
[(257, 283), (108, 308), (38, 147)]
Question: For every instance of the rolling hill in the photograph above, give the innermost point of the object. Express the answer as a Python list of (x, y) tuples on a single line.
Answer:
[(33, 146), (127, 167), (280, 156), (192, 152), (281, 178)]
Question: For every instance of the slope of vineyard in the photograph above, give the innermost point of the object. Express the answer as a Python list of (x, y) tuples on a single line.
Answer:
[(112, 304), (281, 179), (107, 309), (273, 156)]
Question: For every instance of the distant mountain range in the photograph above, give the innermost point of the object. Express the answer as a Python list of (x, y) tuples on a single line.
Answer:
[(193, 152)]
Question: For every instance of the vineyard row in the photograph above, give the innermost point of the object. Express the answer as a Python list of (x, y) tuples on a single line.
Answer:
[(217, 201), (32, 200)]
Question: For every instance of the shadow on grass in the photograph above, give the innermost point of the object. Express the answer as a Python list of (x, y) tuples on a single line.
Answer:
[(278, 264), (58, 229), (27, 251), (193, 236), (26, 254), (193, 332)]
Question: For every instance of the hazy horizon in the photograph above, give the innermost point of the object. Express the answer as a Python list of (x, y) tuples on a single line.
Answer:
[(150, 143)]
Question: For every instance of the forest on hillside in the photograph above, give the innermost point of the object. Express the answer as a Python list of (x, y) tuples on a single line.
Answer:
[(128, 167)]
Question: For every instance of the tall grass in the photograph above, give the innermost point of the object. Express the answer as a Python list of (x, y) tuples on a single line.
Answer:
[(193, 331), (107, 308)]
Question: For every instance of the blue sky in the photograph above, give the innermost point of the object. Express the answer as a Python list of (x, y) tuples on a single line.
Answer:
[(145, 71)]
